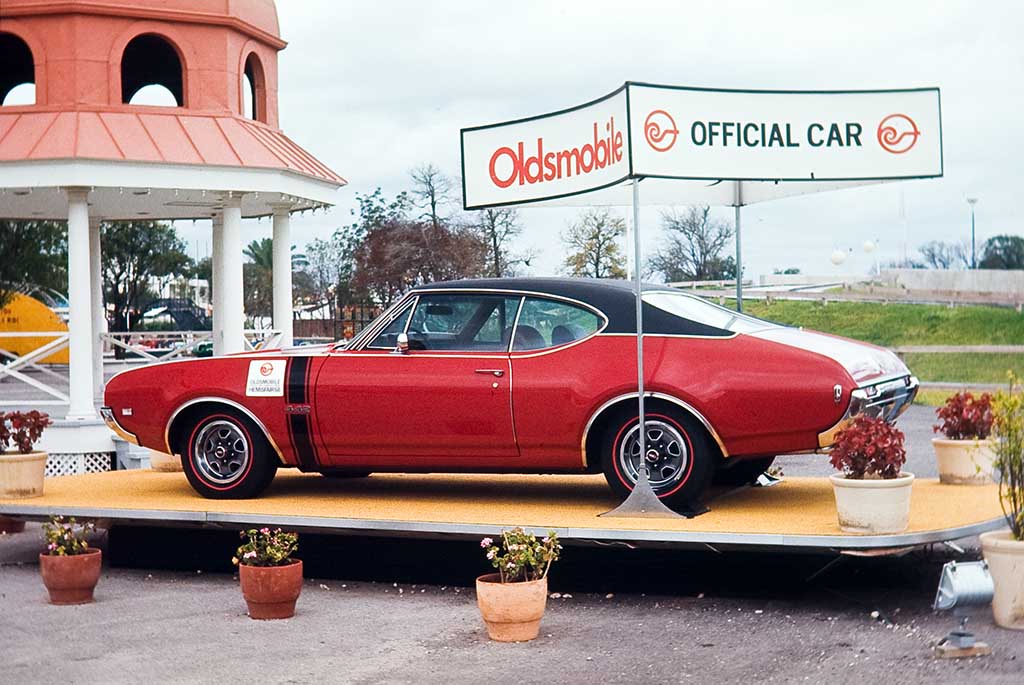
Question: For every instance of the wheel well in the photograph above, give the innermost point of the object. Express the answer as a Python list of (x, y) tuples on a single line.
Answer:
[(601, 422), (181, 425)]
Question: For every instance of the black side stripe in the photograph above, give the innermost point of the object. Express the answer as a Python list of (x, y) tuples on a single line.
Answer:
[(299, 425)]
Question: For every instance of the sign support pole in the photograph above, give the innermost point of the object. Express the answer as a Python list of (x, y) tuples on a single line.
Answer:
[(642, 502), (739, 250)]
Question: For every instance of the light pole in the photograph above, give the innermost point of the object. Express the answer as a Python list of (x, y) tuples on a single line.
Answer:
[(974, 259)]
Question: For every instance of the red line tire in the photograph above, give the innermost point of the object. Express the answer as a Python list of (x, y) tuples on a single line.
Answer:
[(680, 456), (226, 456)]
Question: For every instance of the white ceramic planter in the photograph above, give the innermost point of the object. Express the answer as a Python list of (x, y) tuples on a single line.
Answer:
[(964, 462), (21, 475), (873, 506), (1005, 557), (158, 461)]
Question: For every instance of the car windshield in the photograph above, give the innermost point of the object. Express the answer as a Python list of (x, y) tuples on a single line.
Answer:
[(701, 311)]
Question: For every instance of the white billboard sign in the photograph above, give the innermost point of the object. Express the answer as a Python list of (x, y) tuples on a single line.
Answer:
[(554, 155), (651, 131), (785, 136)]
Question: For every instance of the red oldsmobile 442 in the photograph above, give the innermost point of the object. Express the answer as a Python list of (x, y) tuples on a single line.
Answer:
[(523, 375)]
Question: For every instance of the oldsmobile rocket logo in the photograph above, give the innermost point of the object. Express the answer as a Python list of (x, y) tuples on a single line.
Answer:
[(660, 130), (897, 133)]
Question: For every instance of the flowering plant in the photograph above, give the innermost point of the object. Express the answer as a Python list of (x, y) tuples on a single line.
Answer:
[(66, 537), (23, 429), (1008, 430), (965, 417), (265, 547), (869, 447), (520, 557)]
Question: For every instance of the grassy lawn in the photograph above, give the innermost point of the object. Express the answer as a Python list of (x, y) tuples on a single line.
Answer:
[(899, 324), (915, 324), (976, 368)]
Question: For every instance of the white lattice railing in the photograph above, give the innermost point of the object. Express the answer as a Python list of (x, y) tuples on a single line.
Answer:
[(25, 380), (14, 368)]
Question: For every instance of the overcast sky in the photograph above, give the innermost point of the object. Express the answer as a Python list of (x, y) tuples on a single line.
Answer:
[(375, 88)]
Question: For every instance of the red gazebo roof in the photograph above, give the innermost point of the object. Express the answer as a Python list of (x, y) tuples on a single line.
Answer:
[(152, 134)]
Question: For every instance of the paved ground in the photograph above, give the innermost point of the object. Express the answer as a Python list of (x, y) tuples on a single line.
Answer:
[(402, 611)]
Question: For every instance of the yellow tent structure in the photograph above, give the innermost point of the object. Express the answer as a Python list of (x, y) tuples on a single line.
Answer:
[(24, 314)]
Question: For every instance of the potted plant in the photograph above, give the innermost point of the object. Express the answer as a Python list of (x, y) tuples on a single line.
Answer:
[(271, 580), (1004, 550), (872, 493), (21, 470), (965, 454), (512, 601), (69, 566)]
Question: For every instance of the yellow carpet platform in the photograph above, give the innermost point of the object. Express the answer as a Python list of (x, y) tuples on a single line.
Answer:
[(798, 512)]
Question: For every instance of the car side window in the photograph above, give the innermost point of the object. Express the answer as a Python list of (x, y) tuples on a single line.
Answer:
[(549, 323), (462, 323), (387, 339)]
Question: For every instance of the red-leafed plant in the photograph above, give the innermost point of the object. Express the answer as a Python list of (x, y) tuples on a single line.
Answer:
[(23, 429), (965, 417), (869, 447)]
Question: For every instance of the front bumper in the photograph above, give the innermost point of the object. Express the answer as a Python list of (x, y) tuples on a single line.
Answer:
[(887, 399), (108, 418)]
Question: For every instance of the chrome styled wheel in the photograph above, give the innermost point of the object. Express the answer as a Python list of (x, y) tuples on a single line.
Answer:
[(665, 453), (222, 452)]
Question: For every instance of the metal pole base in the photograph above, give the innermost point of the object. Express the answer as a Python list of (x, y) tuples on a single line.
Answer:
[(642, 503)]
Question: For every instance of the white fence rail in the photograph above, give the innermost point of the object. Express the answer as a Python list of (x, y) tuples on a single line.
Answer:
[(26, 381)]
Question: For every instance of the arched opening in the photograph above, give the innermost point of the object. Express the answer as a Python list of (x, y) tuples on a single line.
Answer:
[(150, 60), (17, 71), (254, 89)]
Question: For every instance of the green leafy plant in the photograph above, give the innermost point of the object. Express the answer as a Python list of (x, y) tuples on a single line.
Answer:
[(23, 429), (520, 557), (265, 547), (869, 447), (1008, 431), (66, 537)]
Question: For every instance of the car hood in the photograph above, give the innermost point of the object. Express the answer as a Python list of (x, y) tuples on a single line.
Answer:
[(864, 362)]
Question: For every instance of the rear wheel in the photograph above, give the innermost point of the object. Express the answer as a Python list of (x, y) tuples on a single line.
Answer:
[(741, 472), (678, 454), (226, 457)]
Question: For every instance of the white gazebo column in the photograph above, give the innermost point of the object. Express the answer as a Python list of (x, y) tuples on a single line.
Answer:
[(217, 286), (99, 318), (231, 292), (283, 272), (80, 368)]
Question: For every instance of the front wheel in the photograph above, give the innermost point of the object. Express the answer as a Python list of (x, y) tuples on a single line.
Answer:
[(226, 457), (678, 453)]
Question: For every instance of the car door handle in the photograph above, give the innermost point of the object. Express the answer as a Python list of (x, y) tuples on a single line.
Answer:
[(493, 372)]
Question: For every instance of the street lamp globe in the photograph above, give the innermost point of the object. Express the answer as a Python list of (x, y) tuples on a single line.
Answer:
[(838, 256)]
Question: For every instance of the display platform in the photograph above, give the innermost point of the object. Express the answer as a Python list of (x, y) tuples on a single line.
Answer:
[(796, 513)]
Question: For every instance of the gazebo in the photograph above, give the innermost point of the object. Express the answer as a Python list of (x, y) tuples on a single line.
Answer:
[(84, 154)]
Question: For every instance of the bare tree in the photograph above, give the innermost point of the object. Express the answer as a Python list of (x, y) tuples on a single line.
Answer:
[(937, 254), (692, 251), (432, 191), (498, 228), (593, 243)]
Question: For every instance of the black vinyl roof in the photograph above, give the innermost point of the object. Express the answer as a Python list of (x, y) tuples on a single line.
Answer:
[(615, 298)]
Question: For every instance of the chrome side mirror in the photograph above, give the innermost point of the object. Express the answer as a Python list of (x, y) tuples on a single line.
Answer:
[(402, 346)]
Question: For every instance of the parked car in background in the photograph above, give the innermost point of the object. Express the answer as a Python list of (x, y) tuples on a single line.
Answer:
[(528, 375)]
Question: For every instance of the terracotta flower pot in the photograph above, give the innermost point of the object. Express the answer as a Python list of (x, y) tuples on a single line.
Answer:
[(873, 506), (271, 591), (21, 475), (11, 526), (1005, 557), (964, 462), (71, 579), (511, 611)]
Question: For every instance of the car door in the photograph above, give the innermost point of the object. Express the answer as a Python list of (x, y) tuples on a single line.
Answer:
[(444, 402)]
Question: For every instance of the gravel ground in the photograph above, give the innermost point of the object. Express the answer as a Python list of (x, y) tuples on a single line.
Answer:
[(403, 611)]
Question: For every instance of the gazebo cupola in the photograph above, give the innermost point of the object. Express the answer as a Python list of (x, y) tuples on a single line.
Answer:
[(83, 152)]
